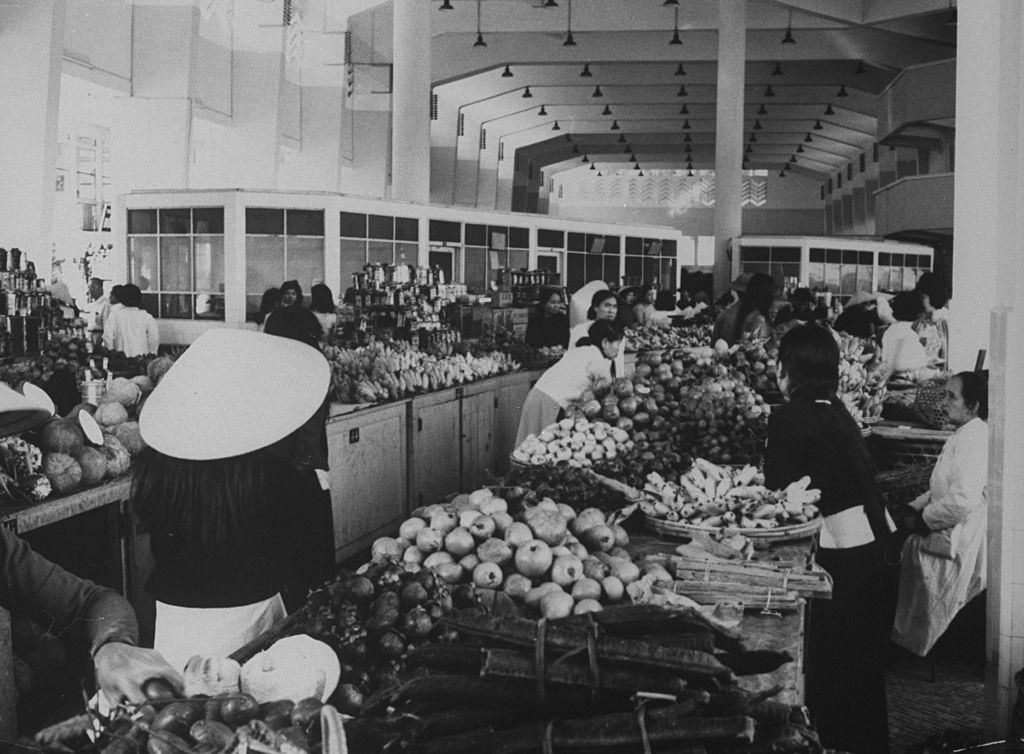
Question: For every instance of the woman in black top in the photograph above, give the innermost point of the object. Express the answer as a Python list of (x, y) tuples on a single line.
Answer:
[(549, 325), (814, 435)]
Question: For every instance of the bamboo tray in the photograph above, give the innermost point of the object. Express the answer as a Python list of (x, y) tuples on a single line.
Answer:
[(779, 534), (809, 581), (750, 597)]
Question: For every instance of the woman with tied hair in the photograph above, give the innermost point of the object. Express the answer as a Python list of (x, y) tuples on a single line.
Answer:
[(813, 435), (220, 500), (131, 329), (321, 303), (944, 557), (566, 380), (604, 306)]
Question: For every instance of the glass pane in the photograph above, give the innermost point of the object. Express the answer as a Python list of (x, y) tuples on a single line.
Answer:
[(754, 254), (651, 270), (577, 242), (909, 278), (518, 259), (817, 255), (446, 231), (815, 276), (863, 278), (848, 282), (518, 238), (832, 277), (176, 220), (785, 253), (142, 221), (382, 226), (634, 271), (575, 273), (209, 252), (668, 247), (269, 222), (547, 262), (305, 222), (151, 303), (445, 259), (407, 228), (476, 268), (264, 264), (611, 245), (353, 257), (475, 235), (594, 268), (668, 274), (142, 263), (353, 225), (380, 252), (208, 220), (634, 245), (406, 253), (175, 263), (175, 306), (210, 306), (883, 278), (305, 261), (551, 239), (611, 269)]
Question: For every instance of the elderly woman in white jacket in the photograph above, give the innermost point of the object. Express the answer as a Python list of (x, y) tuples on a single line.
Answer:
[(944, 560)]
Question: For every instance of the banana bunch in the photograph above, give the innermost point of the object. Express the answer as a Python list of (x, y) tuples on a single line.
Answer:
[(861, 378), (715, 497)]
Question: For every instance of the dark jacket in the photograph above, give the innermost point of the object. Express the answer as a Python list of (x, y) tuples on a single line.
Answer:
[(546, 331), (30, 581), (821, 440)]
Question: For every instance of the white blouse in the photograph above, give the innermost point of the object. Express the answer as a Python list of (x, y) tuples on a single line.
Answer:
[(566, 380)]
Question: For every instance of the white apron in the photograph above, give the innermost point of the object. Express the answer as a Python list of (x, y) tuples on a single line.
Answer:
[(182, 632)]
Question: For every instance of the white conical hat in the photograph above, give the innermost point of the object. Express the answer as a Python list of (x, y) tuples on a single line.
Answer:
[(233, 392), (19, 413)]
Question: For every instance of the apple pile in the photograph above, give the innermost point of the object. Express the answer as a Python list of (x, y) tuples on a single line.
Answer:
[(552, 559), (578, 442)]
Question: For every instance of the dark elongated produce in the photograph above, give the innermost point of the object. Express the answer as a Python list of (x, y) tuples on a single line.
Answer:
[(650, 620)]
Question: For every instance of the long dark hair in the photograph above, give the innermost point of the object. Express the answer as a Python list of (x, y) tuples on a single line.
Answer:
[(809, 357), (321, 299), (974, 389), (757, 296), (599, 332), (270, 301), (545, 296), (597, 299), (209, 504), (130, 296)]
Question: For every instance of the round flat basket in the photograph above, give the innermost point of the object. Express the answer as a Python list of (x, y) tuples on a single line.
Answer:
[(778, 534)]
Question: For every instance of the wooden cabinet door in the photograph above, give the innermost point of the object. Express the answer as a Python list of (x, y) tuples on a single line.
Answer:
[(509, 408), (368, 477), (436, 452), (477, 440)]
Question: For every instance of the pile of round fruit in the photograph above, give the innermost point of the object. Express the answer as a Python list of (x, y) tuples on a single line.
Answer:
[(548, 557), (578, 442), (660, 339)]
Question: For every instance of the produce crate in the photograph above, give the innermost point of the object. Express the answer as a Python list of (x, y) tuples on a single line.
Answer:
[(901, 485), (897, 447)]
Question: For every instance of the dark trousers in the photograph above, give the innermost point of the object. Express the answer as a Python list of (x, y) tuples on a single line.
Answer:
[(313, 533), (847, 640)]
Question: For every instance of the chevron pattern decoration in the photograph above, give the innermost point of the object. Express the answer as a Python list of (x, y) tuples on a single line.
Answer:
[(656, 188)]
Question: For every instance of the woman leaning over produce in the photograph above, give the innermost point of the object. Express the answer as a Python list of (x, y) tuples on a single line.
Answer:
[(604, 306), (219, 503), (944, 556), (813, 435), (569, 377)]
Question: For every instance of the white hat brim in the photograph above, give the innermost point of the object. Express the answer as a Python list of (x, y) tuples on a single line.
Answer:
[(19, 413), (233, 392)]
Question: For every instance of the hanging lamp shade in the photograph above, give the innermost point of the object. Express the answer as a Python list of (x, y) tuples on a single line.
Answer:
[(682, 91), (676, 39), (690, 173), (556, 127), (479, 40), (753, 138), (575, 148), (586, 159), (680, 71), (860, 69), (687, 138), (446, 5), (769, 92), (800, 148), (593, 166), (748, 149), (777, 71), (527, 94), (615, 125), (686, 125), (782, 174), (550, 4), (507, 73), (542, 111), (817, 125), (793, 158), (597, 91), (788, 39), (842, 91), (808, 138), (569, 41), (762, 110), (684, 110), (757, 125), (829, 110), (622, 138), (585, 73), (607, 110)]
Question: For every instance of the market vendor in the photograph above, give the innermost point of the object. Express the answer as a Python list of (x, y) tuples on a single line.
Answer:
[(131, 329), (813, 435), (750, 316), (944, 556), (643, 310), (221, 505), (604, 306), (549, 324), (627, 300), (902, 350), (569, 377)]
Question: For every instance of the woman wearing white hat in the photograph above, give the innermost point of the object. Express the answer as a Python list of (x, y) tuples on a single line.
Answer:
[(219, 502)]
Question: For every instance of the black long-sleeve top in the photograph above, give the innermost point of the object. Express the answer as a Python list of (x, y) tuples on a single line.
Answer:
[(545, 331), (819, 439), (28, 580)]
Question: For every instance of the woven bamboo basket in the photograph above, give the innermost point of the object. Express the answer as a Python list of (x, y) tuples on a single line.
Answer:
[(779, 534)]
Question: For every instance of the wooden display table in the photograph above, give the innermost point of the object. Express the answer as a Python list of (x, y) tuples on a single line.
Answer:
[(50, 511)]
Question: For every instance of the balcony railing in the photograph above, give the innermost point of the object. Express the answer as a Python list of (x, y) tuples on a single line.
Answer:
[(920, 202), (922, 94)]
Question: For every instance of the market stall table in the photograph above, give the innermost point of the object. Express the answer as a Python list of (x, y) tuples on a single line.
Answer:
[(32, 517)]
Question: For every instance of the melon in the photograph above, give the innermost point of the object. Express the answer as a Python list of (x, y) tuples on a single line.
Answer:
[(123, 391), (110, 413), (117, 457), (130, 436), (61, 436), (94, 465), (158, 367), (145, 384), (89, 408), (63, 472)]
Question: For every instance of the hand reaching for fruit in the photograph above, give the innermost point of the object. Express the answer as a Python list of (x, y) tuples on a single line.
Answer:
[(122, 670)]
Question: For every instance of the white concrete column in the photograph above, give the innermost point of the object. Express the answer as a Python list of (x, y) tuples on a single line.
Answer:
[(988, 278), (31, 46), (410, 98), (732, 45)]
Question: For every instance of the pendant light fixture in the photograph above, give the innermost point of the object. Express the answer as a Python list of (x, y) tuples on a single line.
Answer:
[(817, 125), (676, 39), (757, 125), (446, 5), (690, 173), (575, 148), (585, 73), (569, 41), (597, 91), (686, 125), (542, 111), (792, 158), (808, 138), (680, 71), (842, 91), (762, 110), (684, 110), (556, 127), (670, 2), (860, 68), (550, 4), (622, 138), (782, 174), (769, 92), (748, 149), (687, 139), (586, 159), (753, 138), (778, 70), (593, 166), (641, 172), (800, 148), (479, 35), (951, 15), (507, 73), (682, 91), (629, 150), (607, 110), (615, 125), (527, 94), (568, 138), (788, 39), (829, 110), (599, 173)]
